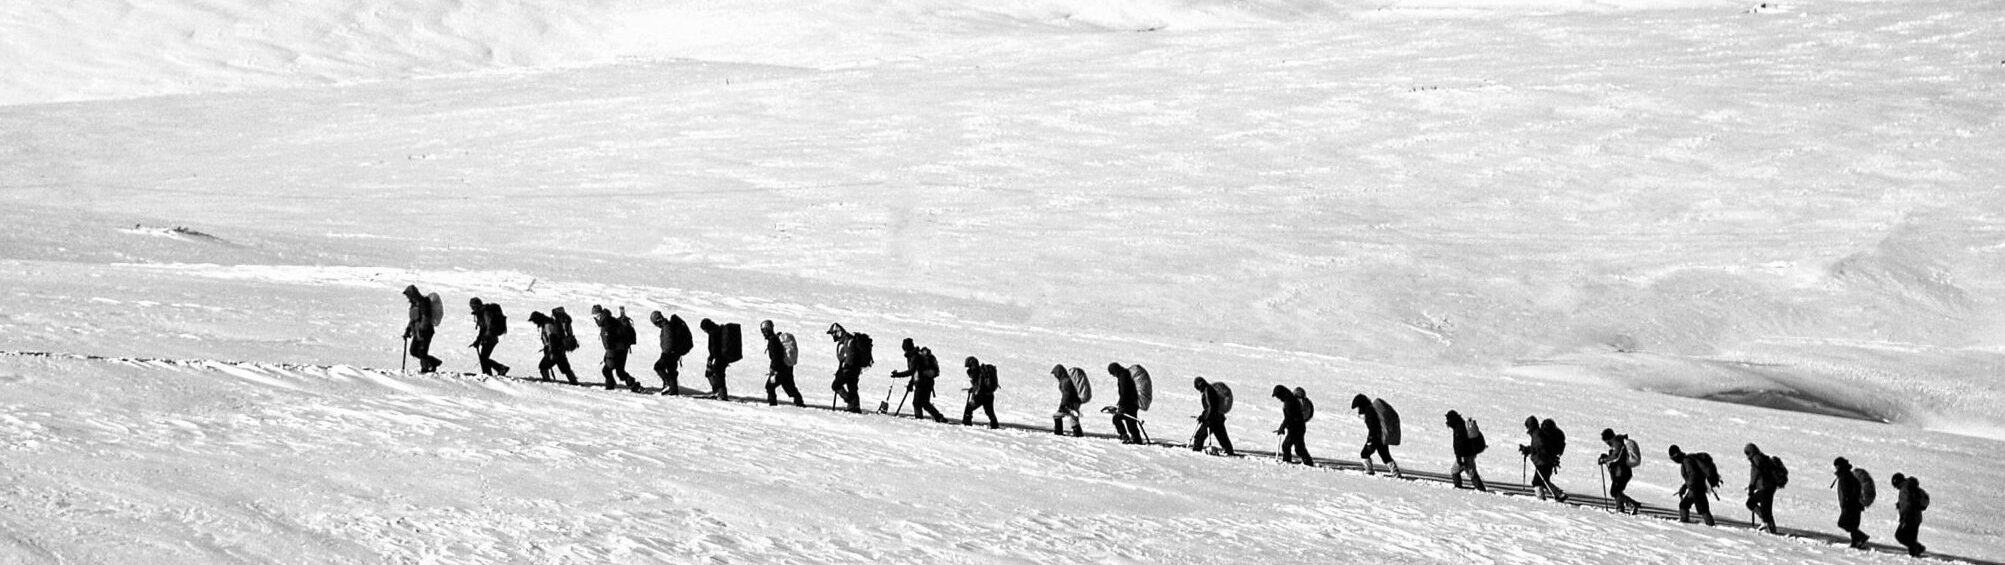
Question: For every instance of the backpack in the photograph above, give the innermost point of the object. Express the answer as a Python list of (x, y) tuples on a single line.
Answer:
[(927, 362), (1225, 392), (1712, 472), (1634, 455), (792, 355), (1867, 491), (1388, 420), (1555, 438), (435, 310), (859, 350), (1476, 435), (989, 382), (1145, 388), (626, 336), (564, 321), (1308, 407), (734, 343), (1777, 472), (497, 322), (680, 341), (1919, 500), (1082, 385)]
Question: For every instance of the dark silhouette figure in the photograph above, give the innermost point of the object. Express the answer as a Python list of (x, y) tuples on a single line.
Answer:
[(781, 354), (1466, 447), (1211, 417), (1294, 428), (487, 334), (420, 330), (981, 392), (554, 354)]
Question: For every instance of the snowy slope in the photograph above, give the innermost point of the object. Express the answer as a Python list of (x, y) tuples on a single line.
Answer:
[(1598, 212)]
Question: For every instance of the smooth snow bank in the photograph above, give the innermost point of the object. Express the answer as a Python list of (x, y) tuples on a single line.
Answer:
[(67, 51)]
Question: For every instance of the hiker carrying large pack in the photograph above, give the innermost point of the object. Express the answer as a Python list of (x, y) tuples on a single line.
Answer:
[(724, 346), (675, 341), (781, 355), (1852, 499), (1699, 476), (1068, 403), (1127, 404), (423, 323), (1467, 441), (1620, 460), (923, 368), (1376, 433), (554, 354), (1546, 445), (1913, 501), (1294, 426), (1765, 474), (616, 334), (852, 356), (982, 387), (488, 325), (1215, 400)]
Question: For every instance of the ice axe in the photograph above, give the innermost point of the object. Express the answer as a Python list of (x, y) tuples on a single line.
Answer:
[(884, 406), (404, 358)]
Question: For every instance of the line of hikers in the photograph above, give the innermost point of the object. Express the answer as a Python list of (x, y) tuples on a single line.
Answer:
[(1134, 389)]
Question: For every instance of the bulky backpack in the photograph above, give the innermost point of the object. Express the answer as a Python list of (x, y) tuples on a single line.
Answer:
[(1634, 455), (1308, 407), (1388, 420), (680, 340), (1867, 491), (435, 310), (1476, 435), (628, 337), (497, 322), (1555, 438), (791, 353), (734, 342), (1081, 385), (1225, 392), (564, 321), (989, 381), (859, 350), (1919, 499), (1778, 473), (927, 362), (1145, 387), (1712, 472)]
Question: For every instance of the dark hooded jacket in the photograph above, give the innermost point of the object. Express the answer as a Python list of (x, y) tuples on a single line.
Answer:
[(547, 328), (1458, 429), (1291, 407), (1374, 431)]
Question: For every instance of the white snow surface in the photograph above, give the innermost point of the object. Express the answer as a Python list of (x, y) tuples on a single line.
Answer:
[(1599, 212)]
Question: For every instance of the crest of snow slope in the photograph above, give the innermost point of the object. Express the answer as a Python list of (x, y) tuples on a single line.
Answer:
[(66, 51)]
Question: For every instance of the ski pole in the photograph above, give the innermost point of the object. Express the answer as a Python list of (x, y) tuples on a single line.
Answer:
[(1523, 475), (1604, 484)]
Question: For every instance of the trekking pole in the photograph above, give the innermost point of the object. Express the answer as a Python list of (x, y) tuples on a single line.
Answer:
[(1523, 475), (901, 404), (1604, 485), (404, 360)]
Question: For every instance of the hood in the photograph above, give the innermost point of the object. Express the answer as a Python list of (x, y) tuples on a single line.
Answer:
[(1454, 419), (707, 325), (538, 318), (1283, 393), (1058, 371), (1361, 402), (1531, 423), (1199, 384), (657, 319), (766, 327), (411, 292)]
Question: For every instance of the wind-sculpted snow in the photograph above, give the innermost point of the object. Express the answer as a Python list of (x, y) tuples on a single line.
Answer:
[(66, 51)]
